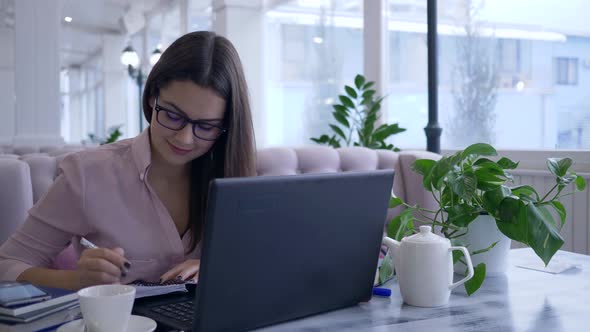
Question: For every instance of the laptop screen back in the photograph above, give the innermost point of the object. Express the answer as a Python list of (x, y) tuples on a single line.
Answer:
[(284, 247)]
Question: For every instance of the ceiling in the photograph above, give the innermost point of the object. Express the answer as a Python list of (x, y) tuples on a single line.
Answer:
[(91, 19)]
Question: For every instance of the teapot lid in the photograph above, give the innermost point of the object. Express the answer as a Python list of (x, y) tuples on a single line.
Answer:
[(425, 237)]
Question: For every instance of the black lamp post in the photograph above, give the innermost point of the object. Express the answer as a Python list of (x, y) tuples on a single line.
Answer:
[(131, 60), (433, 129)]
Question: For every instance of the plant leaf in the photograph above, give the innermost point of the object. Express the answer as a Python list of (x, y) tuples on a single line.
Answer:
[(346, 101), (457, 255), (487, 178), (334, 142), (463, 184), (525, 190), (526, 224), (386, 269), (580, 183), (368, 85), (506, 163), (481, 251), (401, 225), (383, 133), (462, 214), (479, 275), (321, 140), (439, 171), (426, 167), (368, 94), (342, 119), (338, 131), (374, 107), (394, 202), (560, 210), (340, 109), (493, 198), (422, 166), (359, 80), (559, 166), (479, 149), (350, 91), (565, 180)]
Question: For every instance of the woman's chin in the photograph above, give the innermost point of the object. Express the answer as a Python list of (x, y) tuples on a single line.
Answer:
[(179, 160)]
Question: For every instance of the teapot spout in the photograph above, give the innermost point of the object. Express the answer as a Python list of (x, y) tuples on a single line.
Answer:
[(393, 247), (391, 244)]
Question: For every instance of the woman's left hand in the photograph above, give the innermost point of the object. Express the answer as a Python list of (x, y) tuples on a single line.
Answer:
[(184, 271)]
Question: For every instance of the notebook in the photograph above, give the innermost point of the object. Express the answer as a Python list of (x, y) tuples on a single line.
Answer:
[(47, 323), (145, 289), (34, 315), (58, 296)]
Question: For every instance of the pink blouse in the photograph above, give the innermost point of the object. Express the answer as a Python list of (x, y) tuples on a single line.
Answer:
[(102, 195)]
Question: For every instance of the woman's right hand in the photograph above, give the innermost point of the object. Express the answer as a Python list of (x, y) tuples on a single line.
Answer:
[(102, 266)]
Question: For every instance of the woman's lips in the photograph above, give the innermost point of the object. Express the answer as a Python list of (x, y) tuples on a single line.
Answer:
[(178, 150)]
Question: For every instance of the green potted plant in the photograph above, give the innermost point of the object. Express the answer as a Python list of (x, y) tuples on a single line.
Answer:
[(114, 134), (356, 117), (467, 185)]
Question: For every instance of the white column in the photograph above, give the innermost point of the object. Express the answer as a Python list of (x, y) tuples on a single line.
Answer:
[(7, 94), (184, 16), (242, 22), (37, 33), (115, 83), (376, 45), (77, 123)]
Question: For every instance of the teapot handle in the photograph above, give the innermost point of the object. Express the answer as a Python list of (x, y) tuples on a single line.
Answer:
[(469, 267)]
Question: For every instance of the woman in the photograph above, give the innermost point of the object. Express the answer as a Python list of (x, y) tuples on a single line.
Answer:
[(142, 200)]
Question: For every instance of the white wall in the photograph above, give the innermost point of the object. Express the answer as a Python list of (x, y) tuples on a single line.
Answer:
[(37, 32), (242, 23), (7, 89), (115, 83)]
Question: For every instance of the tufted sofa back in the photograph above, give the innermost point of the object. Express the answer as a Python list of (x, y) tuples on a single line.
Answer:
[(25, 179)]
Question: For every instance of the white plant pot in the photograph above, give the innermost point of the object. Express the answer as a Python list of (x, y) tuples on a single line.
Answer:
[(482, 232)]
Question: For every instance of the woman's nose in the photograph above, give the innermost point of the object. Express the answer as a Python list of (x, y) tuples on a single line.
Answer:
[(185, 135)]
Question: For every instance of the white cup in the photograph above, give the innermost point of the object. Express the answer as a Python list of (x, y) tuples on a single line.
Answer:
[(106, 308)]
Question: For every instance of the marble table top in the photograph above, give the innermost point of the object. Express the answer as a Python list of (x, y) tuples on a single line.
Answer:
[(521, 300)]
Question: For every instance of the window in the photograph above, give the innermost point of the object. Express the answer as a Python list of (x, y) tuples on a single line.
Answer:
[(521, 58), (199, 15), (313, 49), (566, 71), (509, 55)]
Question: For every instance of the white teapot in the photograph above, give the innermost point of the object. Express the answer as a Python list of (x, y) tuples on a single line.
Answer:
[(424, 266)]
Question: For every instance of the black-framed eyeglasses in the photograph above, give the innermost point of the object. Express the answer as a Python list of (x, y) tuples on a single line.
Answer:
[(202, 129)]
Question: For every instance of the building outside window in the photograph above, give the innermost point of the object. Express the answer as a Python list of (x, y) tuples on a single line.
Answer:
[(313, 49), (502, 64), (566, 71)]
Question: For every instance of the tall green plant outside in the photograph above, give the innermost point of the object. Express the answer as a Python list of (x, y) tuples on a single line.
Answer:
[(356, 117), (468, 184)]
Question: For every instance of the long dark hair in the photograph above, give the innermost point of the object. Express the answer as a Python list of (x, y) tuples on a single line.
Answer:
[(210, 61)]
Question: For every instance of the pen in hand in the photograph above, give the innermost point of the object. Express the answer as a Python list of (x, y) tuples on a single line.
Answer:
[(89, 245)]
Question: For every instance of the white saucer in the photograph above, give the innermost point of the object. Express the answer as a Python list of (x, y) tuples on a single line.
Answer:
[(136, 324)]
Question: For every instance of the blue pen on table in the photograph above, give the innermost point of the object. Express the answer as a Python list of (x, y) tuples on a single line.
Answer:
[(380, 291), (89, 245)]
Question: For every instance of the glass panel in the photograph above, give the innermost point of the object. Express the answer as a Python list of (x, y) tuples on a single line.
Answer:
[(514, 73), (407, 89), (170, 28), (199, 15), (314, 49)]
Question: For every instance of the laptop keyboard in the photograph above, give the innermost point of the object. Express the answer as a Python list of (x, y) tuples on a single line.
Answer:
[(182, 312)]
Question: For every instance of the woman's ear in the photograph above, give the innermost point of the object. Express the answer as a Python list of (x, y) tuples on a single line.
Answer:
[(152, 102)]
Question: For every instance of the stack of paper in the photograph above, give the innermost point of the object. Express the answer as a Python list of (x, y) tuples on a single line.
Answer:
[(145, 289), (39, 314)]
